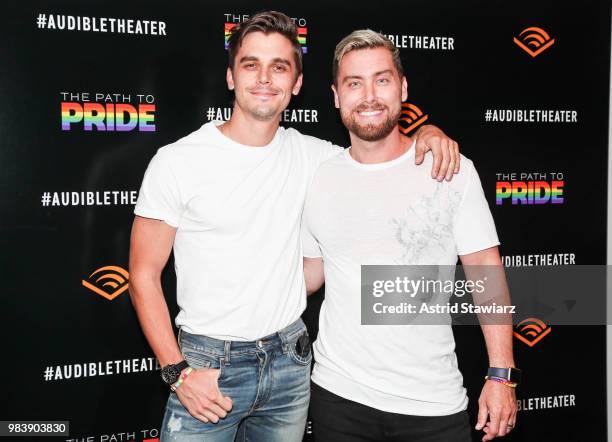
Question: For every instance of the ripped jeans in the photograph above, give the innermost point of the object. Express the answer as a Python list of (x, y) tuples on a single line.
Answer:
[(268, 381)]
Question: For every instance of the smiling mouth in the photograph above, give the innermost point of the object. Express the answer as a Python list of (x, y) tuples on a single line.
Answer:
[(370, 113), (263, 94)]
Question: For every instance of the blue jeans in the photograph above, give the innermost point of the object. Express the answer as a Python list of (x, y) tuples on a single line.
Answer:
[(267, 380)]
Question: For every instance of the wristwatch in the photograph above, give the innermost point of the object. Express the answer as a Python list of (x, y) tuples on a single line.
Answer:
[(511, 374), (171, 373)]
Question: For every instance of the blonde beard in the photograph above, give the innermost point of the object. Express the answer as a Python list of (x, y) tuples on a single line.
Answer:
[(370, 132)]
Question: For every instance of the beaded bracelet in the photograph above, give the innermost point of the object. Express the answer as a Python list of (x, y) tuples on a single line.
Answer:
[(506, 382), (184, 375)]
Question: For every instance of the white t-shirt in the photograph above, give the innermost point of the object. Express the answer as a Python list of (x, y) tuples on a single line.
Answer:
[(389, 213), (237, 210)]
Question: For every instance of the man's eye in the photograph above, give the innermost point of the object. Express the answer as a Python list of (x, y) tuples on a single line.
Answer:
[(353, 84), (249, 65), (280, 68), (383, 80)]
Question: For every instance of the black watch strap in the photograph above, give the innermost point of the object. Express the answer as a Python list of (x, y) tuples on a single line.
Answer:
[(511, 374), (181, 366), (171, 373)]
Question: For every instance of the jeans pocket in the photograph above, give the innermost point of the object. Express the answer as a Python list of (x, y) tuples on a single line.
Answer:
[(199, 359), (300, 349)]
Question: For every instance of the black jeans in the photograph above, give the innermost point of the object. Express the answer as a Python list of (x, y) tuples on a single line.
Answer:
[(335, 419)]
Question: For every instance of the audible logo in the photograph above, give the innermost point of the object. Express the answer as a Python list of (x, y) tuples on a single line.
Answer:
[(534, 41), (411, 118), (531, 331), (109, 281)]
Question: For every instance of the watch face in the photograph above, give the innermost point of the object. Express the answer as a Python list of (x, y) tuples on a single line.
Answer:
[(170, 374), (515, 375)]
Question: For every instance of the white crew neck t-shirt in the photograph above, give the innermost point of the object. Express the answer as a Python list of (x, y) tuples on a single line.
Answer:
[(237, 211), (389, 213)]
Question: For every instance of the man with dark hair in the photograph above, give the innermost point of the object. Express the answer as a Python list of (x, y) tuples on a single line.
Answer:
[(376, 383), (228, 198), (266, 22)]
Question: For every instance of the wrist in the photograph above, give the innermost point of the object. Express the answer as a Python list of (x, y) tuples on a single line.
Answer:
[(508, 375), (502, 362), (171, 373), (184, 374), (501, 381), (171, 360)]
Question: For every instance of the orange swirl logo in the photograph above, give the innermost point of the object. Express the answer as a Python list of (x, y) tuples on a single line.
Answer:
[(109, 281), (534, 41), (410, 118), (531, 331)]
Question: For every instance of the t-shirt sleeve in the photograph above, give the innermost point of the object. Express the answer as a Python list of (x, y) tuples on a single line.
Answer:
[(325, 150), (159, 196), (310, 246), (332, 150), (474, 229), (317, 150)]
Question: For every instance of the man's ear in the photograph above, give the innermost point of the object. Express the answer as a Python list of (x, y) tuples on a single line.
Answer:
[(336, 101), (404, 89), (298, 85), (229, 77)]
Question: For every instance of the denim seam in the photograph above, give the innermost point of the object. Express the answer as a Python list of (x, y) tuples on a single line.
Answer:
[(299, 359), (206, 364), (287, 338), (216, 355), (261, 375)]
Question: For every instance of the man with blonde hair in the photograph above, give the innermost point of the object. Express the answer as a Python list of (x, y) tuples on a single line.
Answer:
[(371, 205)]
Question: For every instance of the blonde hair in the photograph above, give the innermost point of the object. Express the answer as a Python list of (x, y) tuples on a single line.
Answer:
[(365, 39)]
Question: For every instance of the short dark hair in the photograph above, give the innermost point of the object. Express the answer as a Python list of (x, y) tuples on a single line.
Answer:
[(267, 22)]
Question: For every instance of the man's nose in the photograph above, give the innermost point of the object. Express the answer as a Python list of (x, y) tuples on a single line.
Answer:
[(263, 76), (369, 92)]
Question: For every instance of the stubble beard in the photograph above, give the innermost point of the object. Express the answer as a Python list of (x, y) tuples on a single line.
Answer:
[(370, 132), (263, 112)]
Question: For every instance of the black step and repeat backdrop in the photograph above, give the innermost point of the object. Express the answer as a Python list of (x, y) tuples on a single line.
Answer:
[(90, 90)]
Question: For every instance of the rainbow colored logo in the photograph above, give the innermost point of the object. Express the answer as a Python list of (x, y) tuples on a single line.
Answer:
[(228, 32), (109, 117), (529, 192), (301, 31)]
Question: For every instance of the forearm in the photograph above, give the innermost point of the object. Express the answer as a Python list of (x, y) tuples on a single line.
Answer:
[(154, 317), (313, 274), (425, 128), (486, 266), (313, 284), (496, 327), (498, 339)]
